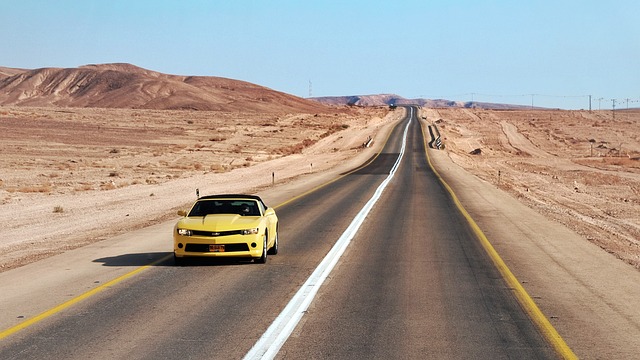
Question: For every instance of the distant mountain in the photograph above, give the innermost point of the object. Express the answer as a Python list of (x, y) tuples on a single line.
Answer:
[(129, 86), (392, 99)]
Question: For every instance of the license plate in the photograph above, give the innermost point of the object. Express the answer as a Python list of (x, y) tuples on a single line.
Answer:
[(216, 248)]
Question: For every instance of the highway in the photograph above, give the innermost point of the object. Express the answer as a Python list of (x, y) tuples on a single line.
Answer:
[(413, 283)]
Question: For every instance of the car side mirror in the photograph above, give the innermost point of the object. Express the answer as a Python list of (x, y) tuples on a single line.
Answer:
[(269, 211), (182, 213)]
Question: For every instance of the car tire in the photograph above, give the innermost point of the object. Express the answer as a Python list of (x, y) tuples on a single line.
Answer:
[(263, 259), (274, 248), (178, 261)]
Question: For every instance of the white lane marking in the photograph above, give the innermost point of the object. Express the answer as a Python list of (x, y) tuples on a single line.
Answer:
[(271, 341)]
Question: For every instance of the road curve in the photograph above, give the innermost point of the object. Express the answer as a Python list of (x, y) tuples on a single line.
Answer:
[(414, 283)]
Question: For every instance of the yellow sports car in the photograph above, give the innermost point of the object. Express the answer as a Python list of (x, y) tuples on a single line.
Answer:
[(239, 226)]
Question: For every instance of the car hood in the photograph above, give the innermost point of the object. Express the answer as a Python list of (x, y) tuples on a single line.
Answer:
[(219, 222)]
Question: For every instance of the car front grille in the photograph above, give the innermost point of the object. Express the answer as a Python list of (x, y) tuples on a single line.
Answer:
[(216, 233), (205, 247)]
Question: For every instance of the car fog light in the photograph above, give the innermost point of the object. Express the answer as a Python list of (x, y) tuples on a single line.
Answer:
[(253, 245), (180, 245)]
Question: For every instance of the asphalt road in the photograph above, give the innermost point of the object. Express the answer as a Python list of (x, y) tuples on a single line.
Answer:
[(414, 283)]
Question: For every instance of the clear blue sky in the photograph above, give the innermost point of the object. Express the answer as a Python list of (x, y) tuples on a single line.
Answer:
[(496, 51)]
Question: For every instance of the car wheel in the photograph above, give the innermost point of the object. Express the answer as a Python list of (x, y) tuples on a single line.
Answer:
[(274, 249), (263, 259), (178, 261)]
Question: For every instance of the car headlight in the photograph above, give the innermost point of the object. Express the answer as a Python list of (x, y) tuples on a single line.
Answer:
[(250, 231), (184, 232)]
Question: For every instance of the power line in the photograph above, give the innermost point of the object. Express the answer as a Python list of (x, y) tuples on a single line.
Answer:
[(475, 95)]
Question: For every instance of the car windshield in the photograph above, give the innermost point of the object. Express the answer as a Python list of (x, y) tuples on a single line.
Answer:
[(225, 206)]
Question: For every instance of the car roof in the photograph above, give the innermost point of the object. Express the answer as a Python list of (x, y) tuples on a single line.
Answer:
[(230, 196)]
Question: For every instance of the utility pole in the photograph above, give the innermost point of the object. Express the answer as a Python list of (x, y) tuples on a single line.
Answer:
[(532, 95), (310, 93), (600, 103), (613, 111), (589, 103)]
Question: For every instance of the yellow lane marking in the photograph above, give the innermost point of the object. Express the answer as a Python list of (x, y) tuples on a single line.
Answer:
[(76, 300), (534, 312), (117, 280)]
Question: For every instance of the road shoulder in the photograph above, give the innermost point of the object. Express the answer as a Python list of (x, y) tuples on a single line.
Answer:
[(590, 297)]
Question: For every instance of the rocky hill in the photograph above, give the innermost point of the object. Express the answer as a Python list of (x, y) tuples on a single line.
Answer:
[(392, 99), (129, 86)]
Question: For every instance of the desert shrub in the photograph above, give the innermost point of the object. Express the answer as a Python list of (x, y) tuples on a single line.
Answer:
[(308, 142), (108, 186), (83, 187), (289, 150), (35, 189), (58, 209), (179, 166), (293, 149), (217, 168)]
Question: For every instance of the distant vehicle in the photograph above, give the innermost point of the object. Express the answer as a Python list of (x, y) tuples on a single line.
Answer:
[(393, 106), (226, 226)]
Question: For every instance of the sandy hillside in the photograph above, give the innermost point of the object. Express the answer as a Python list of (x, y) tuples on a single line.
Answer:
[(579, 168), (129, 86)]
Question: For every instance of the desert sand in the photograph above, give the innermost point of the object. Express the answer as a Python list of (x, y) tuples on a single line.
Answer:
[(74, 176), (579, 168)]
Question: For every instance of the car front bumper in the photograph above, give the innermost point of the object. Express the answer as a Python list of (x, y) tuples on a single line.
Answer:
[(241, 246)]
